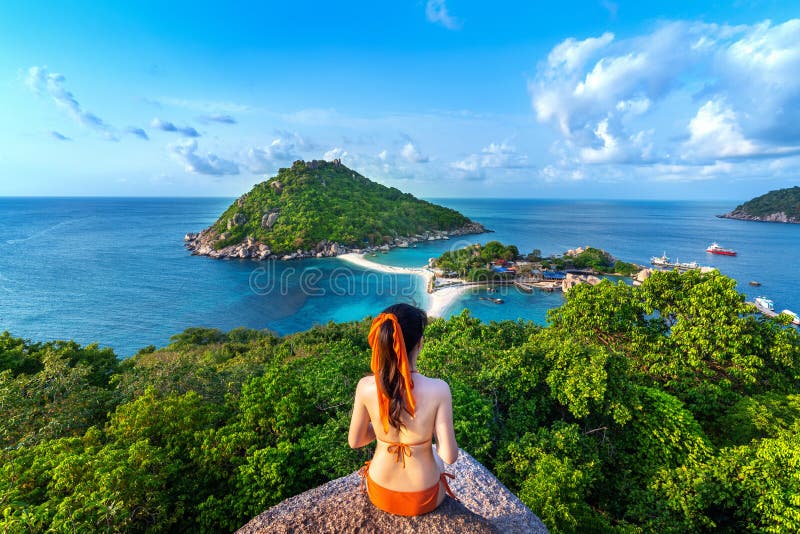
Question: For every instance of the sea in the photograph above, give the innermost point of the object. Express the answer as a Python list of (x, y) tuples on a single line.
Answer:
[(114, 271)]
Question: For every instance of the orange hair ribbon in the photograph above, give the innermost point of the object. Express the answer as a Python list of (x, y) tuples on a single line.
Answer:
[(402, 365)]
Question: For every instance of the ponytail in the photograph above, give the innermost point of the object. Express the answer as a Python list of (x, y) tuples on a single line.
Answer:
[(390, 360), (389, 374)]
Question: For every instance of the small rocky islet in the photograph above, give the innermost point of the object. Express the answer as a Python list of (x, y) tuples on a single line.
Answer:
[(781, 205), (323, 209)]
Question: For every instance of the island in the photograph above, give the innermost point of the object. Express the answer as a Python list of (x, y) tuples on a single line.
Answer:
[(781, 205), (323, 209), (498, 264)]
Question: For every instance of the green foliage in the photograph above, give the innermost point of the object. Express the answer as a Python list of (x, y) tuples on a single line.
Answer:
[(318, 201), (52, 390), (781, 200), (593, 258), (625, 269), (553, 470), (667, 407), (760, 416), (473, 262)]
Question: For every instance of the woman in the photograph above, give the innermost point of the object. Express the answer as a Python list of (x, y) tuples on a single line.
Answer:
[(402, 409)]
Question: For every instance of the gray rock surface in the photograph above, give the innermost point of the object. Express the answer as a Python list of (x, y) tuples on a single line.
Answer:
[(486, 505), (205, 243), (778, 217)]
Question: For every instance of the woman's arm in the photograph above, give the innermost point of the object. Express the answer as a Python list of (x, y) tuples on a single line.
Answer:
[(361, 431), (446, 445)]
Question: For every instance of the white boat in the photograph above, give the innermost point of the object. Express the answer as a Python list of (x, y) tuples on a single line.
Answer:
[(793, 315), (663, 260), (764, 303)]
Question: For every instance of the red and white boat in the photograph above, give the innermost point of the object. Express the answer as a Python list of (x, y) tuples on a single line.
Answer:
[(714, 248)]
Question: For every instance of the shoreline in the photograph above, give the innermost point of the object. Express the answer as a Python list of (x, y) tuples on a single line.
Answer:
[(438, 302), (203, 243)]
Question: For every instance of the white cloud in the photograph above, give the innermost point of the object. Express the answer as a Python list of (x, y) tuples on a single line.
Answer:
[(635, 100), (42, 82), (572, 55), (715, 133), (335, 153), (411, 154), (186, 153), (167, 126), (286, 147), (610, 150), (636, 106), (554, 173), (493, 156), (436, 12), (502, 155)]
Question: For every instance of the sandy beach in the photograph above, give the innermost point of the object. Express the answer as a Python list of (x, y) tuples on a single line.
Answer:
[(438, 302)]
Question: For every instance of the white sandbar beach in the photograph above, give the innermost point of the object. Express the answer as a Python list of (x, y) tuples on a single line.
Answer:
[(439, 301)]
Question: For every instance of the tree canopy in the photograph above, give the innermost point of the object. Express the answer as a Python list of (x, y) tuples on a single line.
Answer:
[(665, 407)]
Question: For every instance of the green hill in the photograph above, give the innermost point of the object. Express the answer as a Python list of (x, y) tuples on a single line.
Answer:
[(321, 207), (781, 205)]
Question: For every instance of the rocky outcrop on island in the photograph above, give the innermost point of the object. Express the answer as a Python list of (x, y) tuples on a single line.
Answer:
[(571, 280), (781, 206), (323, 209), (485, 506)]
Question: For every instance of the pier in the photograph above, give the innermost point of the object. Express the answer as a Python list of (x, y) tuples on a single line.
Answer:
[(762, 310)]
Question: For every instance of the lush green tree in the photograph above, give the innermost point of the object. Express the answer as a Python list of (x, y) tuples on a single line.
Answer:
[(668, 407)]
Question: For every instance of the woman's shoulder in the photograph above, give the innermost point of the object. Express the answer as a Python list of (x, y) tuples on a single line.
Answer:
[(366, 384), (436, 385)]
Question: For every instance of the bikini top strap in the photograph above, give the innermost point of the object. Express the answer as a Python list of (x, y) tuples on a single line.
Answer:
[(401, 450)]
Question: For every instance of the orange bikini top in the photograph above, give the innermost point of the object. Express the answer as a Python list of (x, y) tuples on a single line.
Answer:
[(401, 450)]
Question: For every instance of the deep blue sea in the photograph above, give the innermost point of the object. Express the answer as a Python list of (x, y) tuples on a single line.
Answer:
[(114, 271)]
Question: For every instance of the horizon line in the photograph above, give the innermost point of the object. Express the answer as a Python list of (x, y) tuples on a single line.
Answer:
[(611, 199)]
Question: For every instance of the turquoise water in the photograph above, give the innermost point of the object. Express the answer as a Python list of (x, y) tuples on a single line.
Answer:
[(115, 270), (633, 231)]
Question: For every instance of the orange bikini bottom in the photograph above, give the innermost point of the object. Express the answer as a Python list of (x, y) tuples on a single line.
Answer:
[(403, 502)]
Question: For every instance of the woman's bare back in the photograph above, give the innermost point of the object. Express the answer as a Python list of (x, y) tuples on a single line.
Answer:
[(433, 417)]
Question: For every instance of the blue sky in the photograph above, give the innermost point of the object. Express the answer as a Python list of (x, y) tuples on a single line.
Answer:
[(441, 98)]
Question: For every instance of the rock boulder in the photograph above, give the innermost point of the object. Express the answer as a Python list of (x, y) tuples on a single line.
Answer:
[(486, 505)]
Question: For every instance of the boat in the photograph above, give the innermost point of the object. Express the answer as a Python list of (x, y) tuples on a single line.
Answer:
[(491, 299), (793, 315), (714, 248), (764, 303), (663, 261), (754, 283)]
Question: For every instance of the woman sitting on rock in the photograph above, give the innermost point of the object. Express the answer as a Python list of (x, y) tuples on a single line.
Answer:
[(403, 409)]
